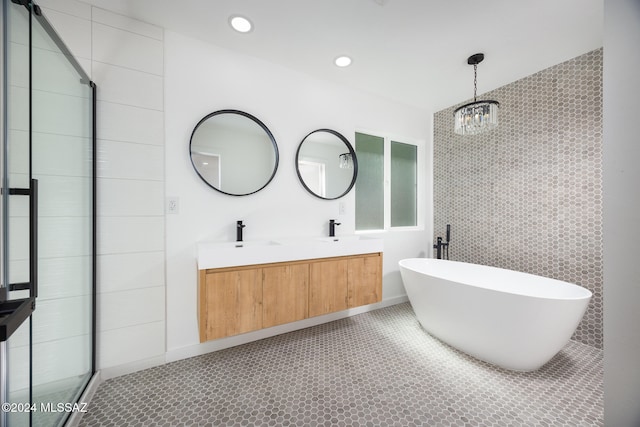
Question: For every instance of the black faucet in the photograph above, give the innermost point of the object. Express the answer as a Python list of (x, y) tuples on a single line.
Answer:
[(442, 248), (332, 227), (239, 227)]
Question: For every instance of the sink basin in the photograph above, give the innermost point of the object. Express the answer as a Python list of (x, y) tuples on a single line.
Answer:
[(249, 244), (233, 254), (341, 238)]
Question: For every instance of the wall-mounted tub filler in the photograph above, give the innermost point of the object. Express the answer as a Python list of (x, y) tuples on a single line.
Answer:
[(239, 227), (515, 320)]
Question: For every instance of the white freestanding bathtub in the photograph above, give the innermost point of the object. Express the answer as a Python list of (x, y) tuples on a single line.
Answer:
[(515, 320)]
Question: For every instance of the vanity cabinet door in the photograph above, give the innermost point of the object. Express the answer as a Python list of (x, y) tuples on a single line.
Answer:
[(327, 286), (285, 294), (232, 303), (365, 280)]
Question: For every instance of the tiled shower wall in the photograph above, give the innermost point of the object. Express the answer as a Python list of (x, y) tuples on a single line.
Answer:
[(527, 195), (125, 58)]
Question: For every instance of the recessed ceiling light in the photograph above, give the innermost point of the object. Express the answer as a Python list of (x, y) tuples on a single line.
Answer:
[(343, 61), (240, 24)]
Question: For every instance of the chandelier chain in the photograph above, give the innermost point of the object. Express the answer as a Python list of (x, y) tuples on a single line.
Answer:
[(475, 81)]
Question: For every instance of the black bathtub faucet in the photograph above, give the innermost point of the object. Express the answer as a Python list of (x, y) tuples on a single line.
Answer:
[(332, 227), (442, 248), (239, 227)]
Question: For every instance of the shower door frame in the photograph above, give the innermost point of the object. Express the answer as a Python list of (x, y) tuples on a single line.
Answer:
[(36, 13)]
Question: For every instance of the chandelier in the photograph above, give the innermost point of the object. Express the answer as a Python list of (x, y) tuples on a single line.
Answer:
[(346, 161), (477, 116)]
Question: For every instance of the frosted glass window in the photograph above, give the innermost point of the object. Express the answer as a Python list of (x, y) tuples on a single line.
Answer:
[(403, 184), (370, 182)]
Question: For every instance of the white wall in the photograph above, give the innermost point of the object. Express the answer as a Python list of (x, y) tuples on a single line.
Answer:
[(621, 214), (125, 59), (201, 78)]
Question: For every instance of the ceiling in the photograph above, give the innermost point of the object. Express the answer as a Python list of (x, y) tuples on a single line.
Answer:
[(410, 51)]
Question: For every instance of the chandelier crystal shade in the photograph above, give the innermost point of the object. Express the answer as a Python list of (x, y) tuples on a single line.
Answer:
[(346, 161), (477, 116)]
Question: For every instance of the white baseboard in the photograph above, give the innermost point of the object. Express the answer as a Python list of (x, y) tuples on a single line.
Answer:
[(128, 368)]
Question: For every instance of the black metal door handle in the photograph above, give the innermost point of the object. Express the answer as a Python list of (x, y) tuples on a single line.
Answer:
[(33, 238), (32, 284)]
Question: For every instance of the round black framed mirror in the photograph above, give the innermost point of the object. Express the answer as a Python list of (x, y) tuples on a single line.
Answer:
[(326, 164), (234, 152)]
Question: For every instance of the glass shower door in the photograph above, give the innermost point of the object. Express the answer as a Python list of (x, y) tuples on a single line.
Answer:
[(62, 162), (16, 350), (49, 139)]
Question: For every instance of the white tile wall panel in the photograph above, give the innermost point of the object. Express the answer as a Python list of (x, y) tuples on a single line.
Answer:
[(18, 270), (18, 156), (60, 196), (64, 277), (19, 238), (19, 207), (76, 362), (73, 30), (120, 272), (72, 155), (130, 308), (49, 369), (61, 318), (130, 234), (19, 28), (129, 87), (59, 237), (127, 197), (18, 56), (126, 49), (122, 346), (71, 7), (119, 122), (130, 160), (127, 24), (52, 73), (86, 65), (19, 356), (18, 110), (52, 113)]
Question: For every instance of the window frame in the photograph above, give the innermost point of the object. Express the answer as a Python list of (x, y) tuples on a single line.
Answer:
[(421, 165)]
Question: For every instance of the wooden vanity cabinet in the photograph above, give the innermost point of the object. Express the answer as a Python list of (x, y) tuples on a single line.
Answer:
[(236, 300), (285, 294), (364, 280), (328, 290), (230, 302)]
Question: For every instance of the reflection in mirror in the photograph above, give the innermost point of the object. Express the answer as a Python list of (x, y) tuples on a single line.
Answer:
[(234, 152), (326, 164)]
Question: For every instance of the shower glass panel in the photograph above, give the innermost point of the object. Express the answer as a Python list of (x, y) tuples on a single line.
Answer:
[(62, 162), (16, 351), (49, 137)]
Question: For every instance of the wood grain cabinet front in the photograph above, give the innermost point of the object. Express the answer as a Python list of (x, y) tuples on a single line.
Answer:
[(230, 303), (236, 300), (328, 290), (364, 280), (285, 294)]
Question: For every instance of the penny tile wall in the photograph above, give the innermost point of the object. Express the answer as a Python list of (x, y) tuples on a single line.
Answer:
[(527, 195)]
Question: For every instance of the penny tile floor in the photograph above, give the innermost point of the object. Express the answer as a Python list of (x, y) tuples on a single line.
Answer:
[(374, 369)]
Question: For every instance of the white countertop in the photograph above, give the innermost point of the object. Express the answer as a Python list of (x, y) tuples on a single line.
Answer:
[(232, 254)]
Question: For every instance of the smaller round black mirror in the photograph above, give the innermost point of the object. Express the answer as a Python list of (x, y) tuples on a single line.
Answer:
[(326, 164), (233, 152)]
